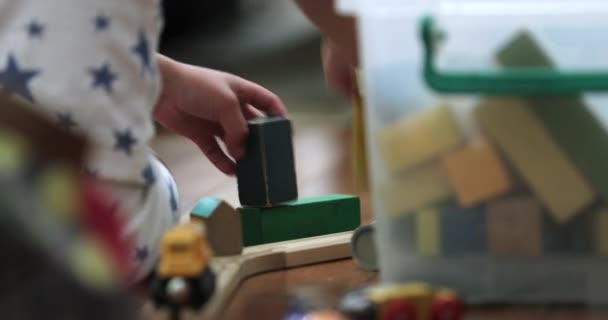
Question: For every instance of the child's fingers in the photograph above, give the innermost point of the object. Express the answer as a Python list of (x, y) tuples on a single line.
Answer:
[(235, 129), (203, 133), (250, 112), (209, 146), (259, 97)]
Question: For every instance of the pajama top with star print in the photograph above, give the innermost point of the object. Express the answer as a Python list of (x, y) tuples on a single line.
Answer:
[(89, 65)]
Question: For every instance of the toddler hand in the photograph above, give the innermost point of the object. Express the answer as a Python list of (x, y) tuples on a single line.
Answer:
[(203, 104)]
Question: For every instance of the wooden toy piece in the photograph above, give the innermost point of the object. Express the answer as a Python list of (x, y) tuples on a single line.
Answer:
[(356, 306), (575, 238), (447, 305), (418, 138), (427, 232), (476, 173), (183, 277), (398, 309), (420, 295), (364, 247), (419, 188), (515, 226), (601, 231), (462, 230), (266, 175), (582, 136), (536, 156), (223, 224), (300, 219), (232, 270)]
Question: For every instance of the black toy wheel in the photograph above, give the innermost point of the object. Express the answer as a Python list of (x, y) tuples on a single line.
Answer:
[(158, 287), (203, 288)]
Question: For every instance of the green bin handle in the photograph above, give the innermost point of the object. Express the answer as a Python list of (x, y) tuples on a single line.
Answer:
[(519, 81)]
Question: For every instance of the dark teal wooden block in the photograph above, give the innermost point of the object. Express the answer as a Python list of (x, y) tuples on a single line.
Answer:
[(573, 238), (462, 230), (266, 175)]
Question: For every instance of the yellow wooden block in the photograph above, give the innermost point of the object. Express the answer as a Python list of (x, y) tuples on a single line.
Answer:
[(415, 189), (601, 232), (476, 173), (12, 152), (418, 138), (528, 146), (427, 232)]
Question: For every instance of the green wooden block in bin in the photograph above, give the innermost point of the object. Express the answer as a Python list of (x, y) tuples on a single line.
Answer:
[(300, 218), (582, 135)]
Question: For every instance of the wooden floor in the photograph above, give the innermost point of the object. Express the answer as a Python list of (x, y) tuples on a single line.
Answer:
[(323, 166)]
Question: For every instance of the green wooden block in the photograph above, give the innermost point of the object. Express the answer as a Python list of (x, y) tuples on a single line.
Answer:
[(251, 226), (573, 126), (301, 219)]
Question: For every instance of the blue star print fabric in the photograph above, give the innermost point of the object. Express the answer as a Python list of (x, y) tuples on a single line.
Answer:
[(89, 65)]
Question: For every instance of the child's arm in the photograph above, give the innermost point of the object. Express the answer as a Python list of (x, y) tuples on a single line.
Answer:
[(203, 104), (339, 29)]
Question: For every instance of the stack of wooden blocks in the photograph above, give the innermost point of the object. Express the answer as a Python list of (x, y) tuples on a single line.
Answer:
[(532, 182), (268, 192), (271, 210)]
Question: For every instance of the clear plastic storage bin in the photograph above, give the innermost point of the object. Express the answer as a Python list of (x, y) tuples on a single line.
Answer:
[(488, 145)]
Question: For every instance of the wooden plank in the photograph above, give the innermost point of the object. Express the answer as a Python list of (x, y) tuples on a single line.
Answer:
[(571, 123), (601, 231), (476, 173), (232, 270), (427, 232), (575, 238), (542, 164), (418, 138), (515, 226), (415, 189)]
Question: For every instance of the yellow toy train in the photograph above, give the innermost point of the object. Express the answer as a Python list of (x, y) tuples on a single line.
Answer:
[(183, 277), (410, 301)]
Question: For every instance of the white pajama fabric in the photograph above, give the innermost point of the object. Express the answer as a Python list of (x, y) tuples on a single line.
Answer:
[(89, 65)]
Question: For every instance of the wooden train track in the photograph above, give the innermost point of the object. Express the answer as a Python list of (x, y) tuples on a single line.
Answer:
[(233, 270)]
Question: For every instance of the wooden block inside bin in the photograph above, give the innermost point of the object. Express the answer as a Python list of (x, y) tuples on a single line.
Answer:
[(418, 138), (427, 232), (416, 189), (515, 226), (570, 121), (531, 150), (601, 231), (462, 230), (476, 173)]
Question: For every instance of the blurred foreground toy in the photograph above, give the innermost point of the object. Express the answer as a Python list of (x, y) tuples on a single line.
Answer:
[(183, 277), (312, 303), (411, 301), (62, 252)]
